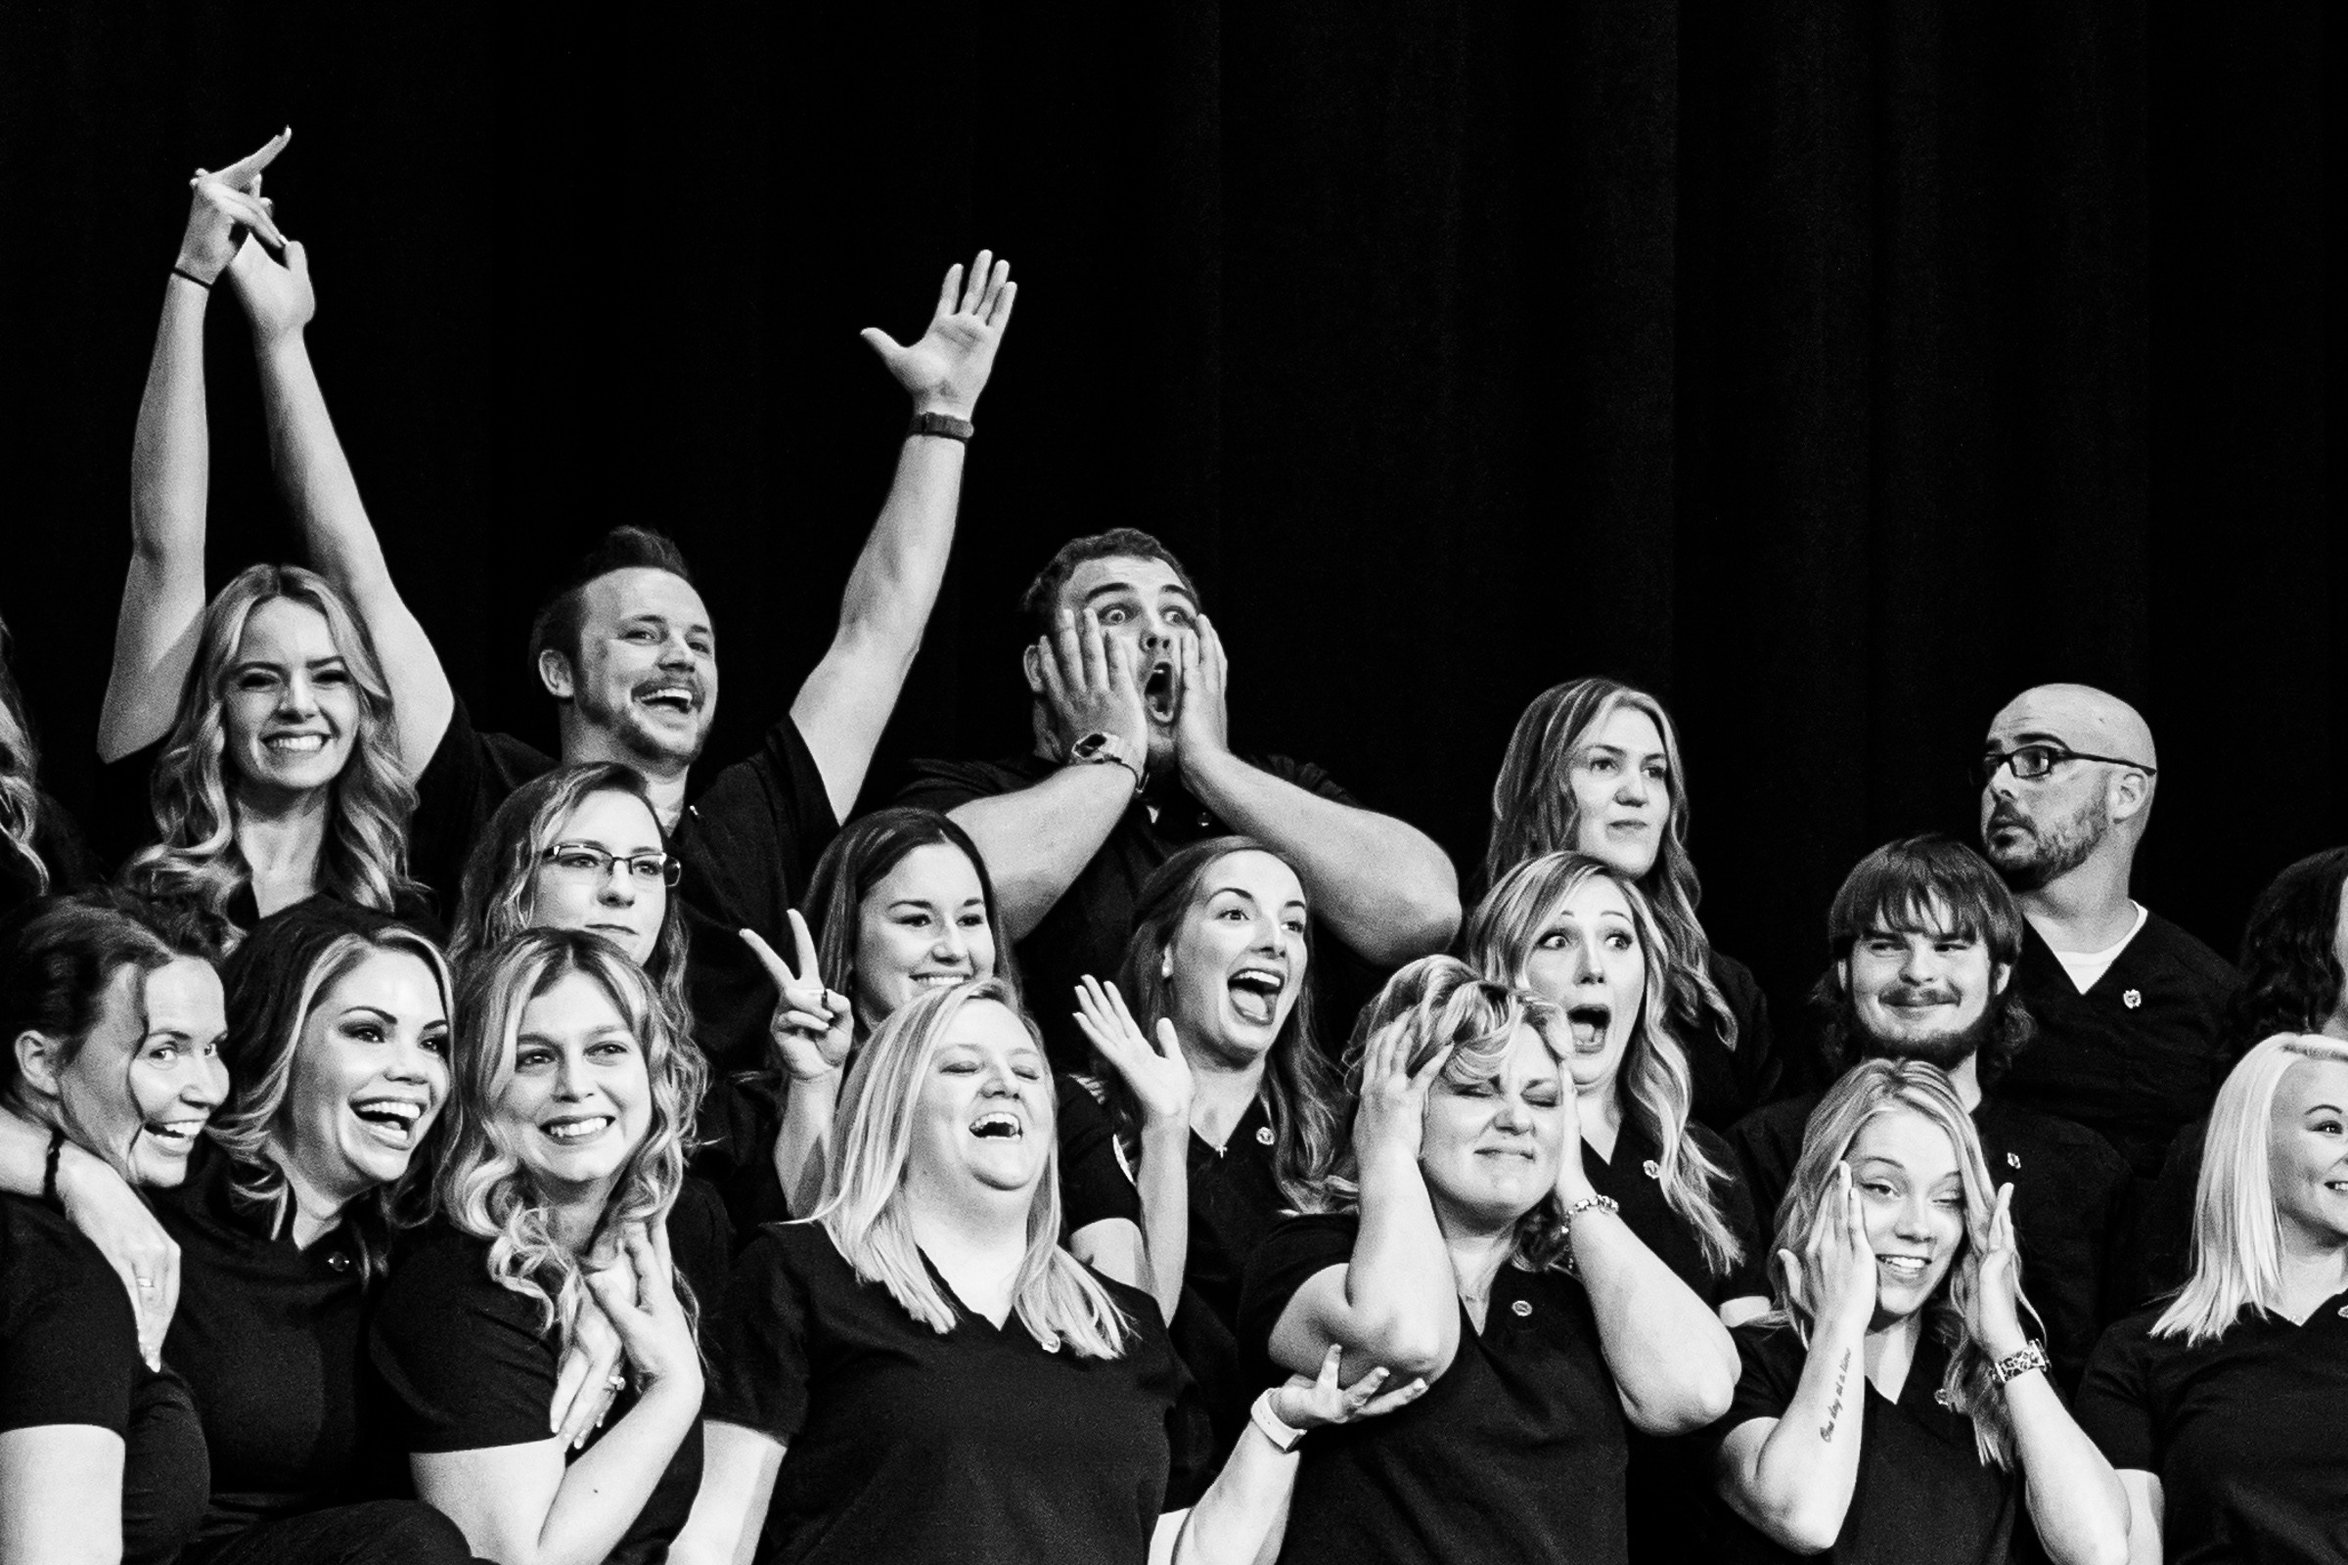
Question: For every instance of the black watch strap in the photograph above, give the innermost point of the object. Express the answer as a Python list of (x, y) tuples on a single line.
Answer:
[(944, 425)]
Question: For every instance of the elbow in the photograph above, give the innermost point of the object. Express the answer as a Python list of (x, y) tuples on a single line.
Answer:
[(1680, 1409), (1406, 1350), (1420, 922), (1800, 1524)]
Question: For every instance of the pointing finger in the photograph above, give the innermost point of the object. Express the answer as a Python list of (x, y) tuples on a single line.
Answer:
[(776, 968)]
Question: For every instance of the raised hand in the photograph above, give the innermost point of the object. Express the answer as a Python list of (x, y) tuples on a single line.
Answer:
[(1202, 719), (1995, 1318), (1836, 1279), (224, 199), (1308, 1402), (277, 297), (812, 1026), (589, 1378), (946, 370), (1088, 685), (1159, 1076), (1391, 1119), (640, 1300)]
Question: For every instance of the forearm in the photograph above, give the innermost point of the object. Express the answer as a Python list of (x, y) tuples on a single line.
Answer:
[(1672, 1359), (1163, 1179), (2076, 1500), (1038, 840), (605, 1489), (804, 1139), (170, 462), (1382, 885), (1800, 1483), (1401, 1298), (1248, 1499)]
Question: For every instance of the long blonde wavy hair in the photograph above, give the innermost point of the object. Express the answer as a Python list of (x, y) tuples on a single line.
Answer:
[(1866, 1091), (1653, 1085), (483, 1185), (20, 769), (1055, 1296), (2237, 1234), (363, 860)]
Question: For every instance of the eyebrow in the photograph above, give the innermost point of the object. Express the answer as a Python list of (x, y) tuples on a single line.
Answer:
[(1597, 745), (1113, 588), (2323, 1108), (648, 618), (331, 659), (2034, 736)]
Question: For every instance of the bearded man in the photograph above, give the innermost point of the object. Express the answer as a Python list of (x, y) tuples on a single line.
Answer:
[(1925, 940), (2131, 1010)]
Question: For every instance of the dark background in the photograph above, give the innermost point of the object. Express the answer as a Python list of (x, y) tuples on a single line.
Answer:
[(1834, 370)]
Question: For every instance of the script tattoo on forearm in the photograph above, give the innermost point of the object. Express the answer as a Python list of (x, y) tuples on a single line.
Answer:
[(1834, 1409)]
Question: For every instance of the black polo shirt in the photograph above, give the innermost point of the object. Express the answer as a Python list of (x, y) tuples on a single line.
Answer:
[(908, 1445), (2139, 1054), (69, 1354), (271, 1340), (1924, 1497), (2248, 1433), (466, 1363), (1087, 929), (2073, 1212), (748, 842), (1728, 1082), (1516, 1452)]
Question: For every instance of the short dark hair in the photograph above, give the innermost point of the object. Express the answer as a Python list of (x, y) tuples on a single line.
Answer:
[(2291, 978), (1041, 600), (860, 858), (59, 955), (623, 548)]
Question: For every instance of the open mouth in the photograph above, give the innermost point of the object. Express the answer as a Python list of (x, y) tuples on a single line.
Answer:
[(1588, 1023), (997, 1125), (1903, 1268), (572, 1131), (1255, 994), (678, 700), (294, 744), (1157, 692), (392, 1120), (175, 1136)]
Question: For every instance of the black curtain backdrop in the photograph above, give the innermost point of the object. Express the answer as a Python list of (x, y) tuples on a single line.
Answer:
[(1834, 368)]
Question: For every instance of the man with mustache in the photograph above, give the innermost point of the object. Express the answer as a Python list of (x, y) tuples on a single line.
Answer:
[(2131, 1009), (1925, 939), (1130, 759)]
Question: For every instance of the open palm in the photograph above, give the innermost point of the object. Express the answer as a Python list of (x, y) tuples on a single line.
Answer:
[(948, 367)]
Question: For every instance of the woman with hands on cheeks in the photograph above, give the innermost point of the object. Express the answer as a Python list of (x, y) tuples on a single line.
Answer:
[(922, 1372), (1458, 1241), (1893, 1408)]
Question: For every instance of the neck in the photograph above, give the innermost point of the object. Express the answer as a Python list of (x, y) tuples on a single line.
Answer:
[(574, 1213), (968, 1221), (318, 1203), (1220, 1091), (2085, 910), (2336, 1024), (1889, 1350), (1477, 1253), (281, 835), (583, 742), (2315, 1267), (1965, 1076), (1599, 1106)]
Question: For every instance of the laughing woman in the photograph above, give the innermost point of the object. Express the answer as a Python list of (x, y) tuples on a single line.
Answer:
[(565, 1178), (1892, 1410), (113, 1035)]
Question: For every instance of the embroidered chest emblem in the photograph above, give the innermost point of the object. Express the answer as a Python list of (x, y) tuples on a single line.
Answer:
[(2132, 998), (2013, 1160), (1652, 1171), (1264, 1136), (1521, 1308)]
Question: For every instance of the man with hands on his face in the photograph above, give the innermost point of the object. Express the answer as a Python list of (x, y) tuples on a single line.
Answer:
[(1130, 759)]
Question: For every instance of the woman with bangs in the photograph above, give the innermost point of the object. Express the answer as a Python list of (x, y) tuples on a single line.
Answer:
[(1458, 1241), (1594, 767), (564, 1181), (257, 729), (922, 1372), (1570, 929), (256, 1273), (1214, 1111), (2222, 1409), (1892, 1408)]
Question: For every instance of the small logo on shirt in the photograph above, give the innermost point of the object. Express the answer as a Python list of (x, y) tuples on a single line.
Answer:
[(1652, 1171), (1521, 1308), (1942, 1397), (2132, 998), (1264, 1136), (2013, 1160)]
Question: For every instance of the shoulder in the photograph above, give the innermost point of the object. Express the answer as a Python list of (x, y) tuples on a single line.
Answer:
[(1737, 983), (48, 1269), (437, 1269), (2188, 951), (1299, 1246), (798, 1255), (701, 1234), (1775, 1124), (1308, 775), (943, 784)]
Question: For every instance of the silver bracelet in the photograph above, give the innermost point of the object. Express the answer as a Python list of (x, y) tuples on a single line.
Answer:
[(1592, 1203), (2022, 1363)]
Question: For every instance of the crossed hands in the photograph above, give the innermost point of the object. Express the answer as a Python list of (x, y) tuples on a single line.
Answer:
[(634, 1319)]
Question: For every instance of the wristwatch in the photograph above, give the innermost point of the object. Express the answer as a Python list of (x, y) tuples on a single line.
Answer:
[(1101, 748), (1276, 1429)]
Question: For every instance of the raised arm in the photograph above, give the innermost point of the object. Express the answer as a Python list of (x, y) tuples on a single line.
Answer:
[(1038, 840), (1793, 1476), (1674, 1363), (812, 1030), (1383, 886), (846, 702), (323, 498), (170, 469), (1159, 1077), (1396, 1303)]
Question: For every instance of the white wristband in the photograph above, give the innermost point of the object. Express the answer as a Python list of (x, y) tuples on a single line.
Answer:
[(1281, 1436)]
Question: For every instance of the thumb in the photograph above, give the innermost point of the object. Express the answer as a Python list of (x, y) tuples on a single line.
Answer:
[(1168, 1044), (888, 347), (298, 259)]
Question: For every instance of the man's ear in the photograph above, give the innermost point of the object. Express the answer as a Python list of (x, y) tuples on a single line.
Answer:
[(1031, 663), (554, 672), (2130, 791), (2000, 975), (39, 1058)]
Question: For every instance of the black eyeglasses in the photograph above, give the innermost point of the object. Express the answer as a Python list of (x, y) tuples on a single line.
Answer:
[(2031, 762), (586, 859)]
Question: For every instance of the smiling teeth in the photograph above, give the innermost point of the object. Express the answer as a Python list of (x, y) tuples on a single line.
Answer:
[(1904, 1265), (938, 980), (996, 1125), (391, 1108), (300, 744), (182, 1130), (578, 1129)]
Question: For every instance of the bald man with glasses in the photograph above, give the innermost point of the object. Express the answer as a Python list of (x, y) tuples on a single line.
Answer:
[(2130, 1008)]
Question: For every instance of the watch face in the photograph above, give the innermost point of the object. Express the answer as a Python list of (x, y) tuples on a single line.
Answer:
[(1089, 746)]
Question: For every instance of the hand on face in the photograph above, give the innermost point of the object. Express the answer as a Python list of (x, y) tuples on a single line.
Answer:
[(1089, 686), (1202, 720), (1995, 1320), (1390, 1120), (1159, 1077), (1835, 1278), (946, 370), (812, 1028)]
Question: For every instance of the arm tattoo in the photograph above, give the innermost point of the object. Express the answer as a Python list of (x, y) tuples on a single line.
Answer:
[(1834, 1409)]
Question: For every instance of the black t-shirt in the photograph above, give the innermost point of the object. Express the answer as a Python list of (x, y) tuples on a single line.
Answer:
[(2248, 1434), (1729, 1083), (907, 1445), (2164, 1245), (2073, 1210), (270, 1339), (1924, 1496), (57, 843), (69, 1354), (748, 843), (2136, 1056), (1235, 1203), (466, 1364), (1516, 1452), (1087, 929)]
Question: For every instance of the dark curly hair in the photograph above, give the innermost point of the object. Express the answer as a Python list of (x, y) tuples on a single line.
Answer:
[(2290, 953)]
